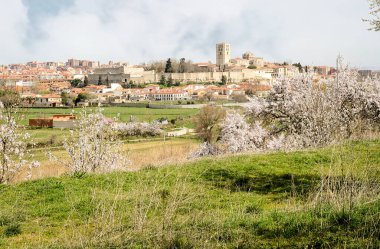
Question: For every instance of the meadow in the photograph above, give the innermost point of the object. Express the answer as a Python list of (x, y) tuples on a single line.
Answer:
[(243, 201), (142, 152), (50, 136), (124, 113)]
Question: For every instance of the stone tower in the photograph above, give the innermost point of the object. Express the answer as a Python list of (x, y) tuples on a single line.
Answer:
[(223, 54)]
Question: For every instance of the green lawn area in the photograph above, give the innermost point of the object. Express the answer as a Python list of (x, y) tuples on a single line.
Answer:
[(243, 201), (142, 114), (182, 117)]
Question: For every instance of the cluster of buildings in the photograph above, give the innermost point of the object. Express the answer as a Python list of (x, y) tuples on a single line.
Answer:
[(44, 83), (249, 68), (116, 94)]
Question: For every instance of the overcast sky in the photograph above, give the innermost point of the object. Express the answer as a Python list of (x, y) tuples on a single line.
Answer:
[(312, 32)]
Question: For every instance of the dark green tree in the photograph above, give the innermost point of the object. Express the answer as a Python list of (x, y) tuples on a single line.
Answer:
[(100, 81), (83, 97), (299, 66), (163, 80), (85, 81), (224, 80), (76, 83), (168, 67), (107, 81)]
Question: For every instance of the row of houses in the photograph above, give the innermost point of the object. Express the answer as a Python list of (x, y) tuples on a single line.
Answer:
[(115, 93)]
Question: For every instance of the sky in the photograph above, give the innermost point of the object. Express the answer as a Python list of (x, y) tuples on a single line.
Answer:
[(135, 31)]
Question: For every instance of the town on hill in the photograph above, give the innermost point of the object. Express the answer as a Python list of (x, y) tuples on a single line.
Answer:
[(83, 83)]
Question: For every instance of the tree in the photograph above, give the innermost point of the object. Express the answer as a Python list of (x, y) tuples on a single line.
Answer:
[(158, 66), (182, 66), (76, 83), (85, 81), (163, 80), (168, 67), (252, 67), (10, 99), (107, 81), (301, 112), (224, 80), (144, 129), (238, 135), (375, 15), (82, 97), (13, 147), (207, 121), (66, 99), (94, 145), (299, 66), (209, 96), (170, 81), (100, 81), (317, 113)]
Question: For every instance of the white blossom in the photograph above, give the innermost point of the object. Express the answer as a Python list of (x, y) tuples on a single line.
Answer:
[(139, 129), (13, 147), (304, 111), (205, 149), (94, 145)]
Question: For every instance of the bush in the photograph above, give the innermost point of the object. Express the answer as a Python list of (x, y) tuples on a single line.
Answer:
[(139, 129)]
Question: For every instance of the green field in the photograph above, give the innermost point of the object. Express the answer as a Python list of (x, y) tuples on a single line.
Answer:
[(244, 201), (181, 117), (141, 114)]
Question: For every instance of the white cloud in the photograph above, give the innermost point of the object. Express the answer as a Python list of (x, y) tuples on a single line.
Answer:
[(142, 30), (12, 29)]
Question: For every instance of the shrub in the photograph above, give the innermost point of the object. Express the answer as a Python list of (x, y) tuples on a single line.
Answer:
[(139, 129)]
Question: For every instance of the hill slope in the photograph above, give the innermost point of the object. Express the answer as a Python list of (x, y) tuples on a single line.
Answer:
[(245, 201)]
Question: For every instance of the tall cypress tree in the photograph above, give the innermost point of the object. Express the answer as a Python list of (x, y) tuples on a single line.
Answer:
[(168, 67), (85, 81)]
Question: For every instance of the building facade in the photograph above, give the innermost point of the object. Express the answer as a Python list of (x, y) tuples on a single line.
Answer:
[(123, 74), (223, 54)]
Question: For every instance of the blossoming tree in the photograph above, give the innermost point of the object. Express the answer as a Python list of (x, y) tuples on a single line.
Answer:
[(304, 111), (13, 147), (94, 145)]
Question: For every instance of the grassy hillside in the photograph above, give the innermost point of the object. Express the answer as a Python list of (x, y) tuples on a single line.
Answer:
[(245, 201)]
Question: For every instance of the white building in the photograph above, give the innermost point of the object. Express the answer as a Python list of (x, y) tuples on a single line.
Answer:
[(170, 95)]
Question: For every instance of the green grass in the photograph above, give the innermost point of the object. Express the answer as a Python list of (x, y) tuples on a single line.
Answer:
[(142, 114), (244, 201), (50, 136)]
